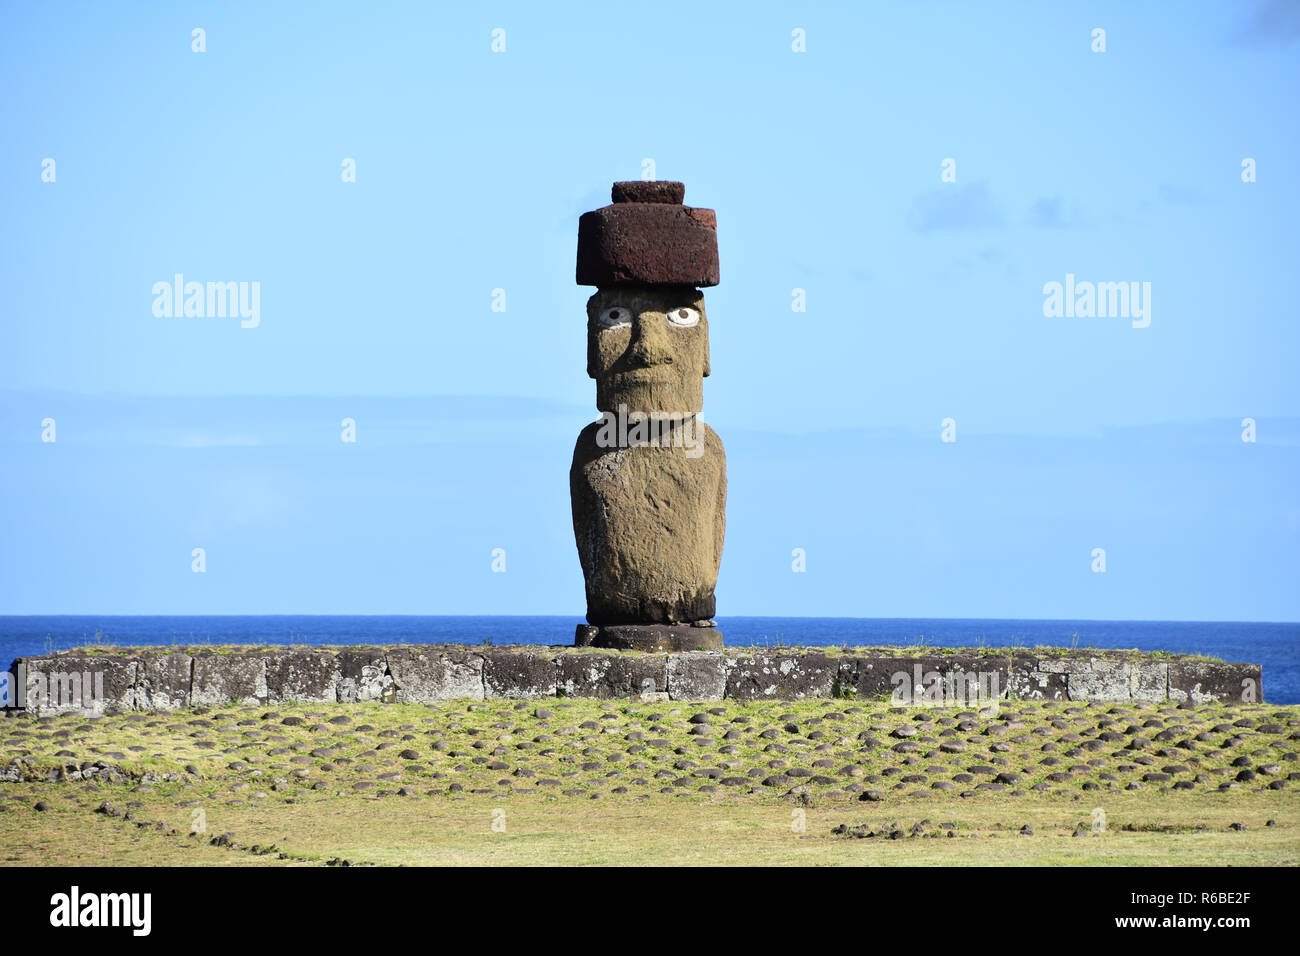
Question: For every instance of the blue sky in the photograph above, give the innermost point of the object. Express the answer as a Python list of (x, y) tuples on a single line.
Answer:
[(924, 302)]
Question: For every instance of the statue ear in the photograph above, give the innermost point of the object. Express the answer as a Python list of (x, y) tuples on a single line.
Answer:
[(593, 304), (591, 351), (699, 304)]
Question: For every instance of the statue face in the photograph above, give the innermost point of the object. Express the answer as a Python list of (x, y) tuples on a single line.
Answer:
[(648, 348)]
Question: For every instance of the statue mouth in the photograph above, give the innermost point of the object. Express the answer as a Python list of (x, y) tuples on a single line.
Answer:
[(647, 375)]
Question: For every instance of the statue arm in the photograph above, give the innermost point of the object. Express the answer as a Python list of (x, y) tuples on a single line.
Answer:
[(720, 504)]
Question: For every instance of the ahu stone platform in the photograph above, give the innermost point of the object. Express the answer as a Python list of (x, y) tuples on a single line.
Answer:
[(107, 679)]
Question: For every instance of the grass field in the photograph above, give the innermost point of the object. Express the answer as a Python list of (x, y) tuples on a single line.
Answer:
[(585, 782)]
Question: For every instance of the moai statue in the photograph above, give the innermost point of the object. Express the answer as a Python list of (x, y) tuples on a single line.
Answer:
[(649, 480)]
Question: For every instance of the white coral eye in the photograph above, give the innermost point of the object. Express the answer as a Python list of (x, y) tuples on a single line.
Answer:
[(619, 317), (684, 317)]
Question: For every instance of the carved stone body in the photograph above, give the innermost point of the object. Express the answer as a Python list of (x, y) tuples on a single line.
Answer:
[(649, 523)]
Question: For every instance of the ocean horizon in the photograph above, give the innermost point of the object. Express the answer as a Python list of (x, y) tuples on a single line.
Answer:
[(1275, 646)]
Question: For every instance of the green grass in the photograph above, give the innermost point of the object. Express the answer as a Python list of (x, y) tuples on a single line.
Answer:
[(592, 782)]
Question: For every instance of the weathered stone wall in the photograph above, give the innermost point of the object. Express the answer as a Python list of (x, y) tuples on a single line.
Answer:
[(169, 678)]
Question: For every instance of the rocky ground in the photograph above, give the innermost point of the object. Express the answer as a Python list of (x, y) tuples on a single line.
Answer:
[(715, 782)]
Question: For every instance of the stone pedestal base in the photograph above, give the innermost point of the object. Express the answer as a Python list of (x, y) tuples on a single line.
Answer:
[(649, 637)]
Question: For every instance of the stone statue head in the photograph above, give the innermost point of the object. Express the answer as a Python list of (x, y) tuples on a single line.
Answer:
[(647, 334), (648, 348)]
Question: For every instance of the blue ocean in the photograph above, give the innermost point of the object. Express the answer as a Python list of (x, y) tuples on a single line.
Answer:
[(1275, 646)]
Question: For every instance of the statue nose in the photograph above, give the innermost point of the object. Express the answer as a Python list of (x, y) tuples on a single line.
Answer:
[(652, 345)]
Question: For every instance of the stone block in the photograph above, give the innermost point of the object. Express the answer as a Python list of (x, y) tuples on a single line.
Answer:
[(428, 674), (228, 678), (162, 681), (784, 676), (518, 674), (1204, 681), (612, 675), (698, 675), (302, 675)]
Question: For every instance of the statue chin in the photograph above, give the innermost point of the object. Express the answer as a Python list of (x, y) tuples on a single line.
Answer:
[(669, 401)]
